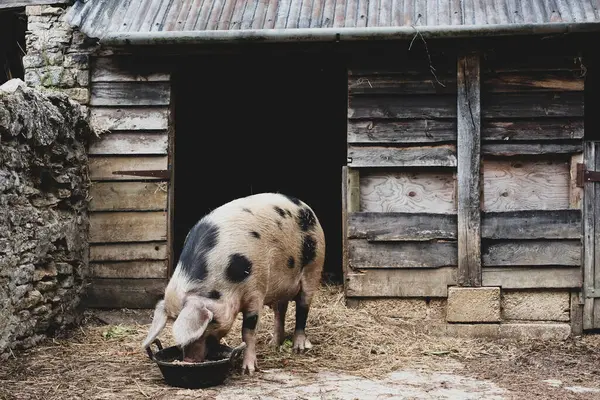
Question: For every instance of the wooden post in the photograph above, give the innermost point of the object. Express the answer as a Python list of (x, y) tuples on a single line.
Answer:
[(590, 199), (468, 170), (350, 204)]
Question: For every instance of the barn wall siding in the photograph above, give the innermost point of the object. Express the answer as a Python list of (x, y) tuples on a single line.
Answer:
[(401, 183), (129, 232), (403, 209)]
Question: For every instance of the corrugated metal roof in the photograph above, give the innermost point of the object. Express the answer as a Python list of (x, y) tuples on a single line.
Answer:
[(96, 18)]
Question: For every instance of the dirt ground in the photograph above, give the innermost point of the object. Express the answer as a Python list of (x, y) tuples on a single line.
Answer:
[(356, 355)]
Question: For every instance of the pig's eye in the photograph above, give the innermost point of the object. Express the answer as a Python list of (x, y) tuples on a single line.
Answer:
[(213, 322)]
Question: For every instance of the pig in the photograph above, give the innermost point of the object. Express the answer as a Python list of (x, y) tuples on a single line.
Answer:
[(265, 249)]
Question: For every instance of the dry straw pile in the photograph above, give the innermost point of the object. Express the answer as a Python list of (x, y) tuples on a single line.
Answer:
[(101, 362)]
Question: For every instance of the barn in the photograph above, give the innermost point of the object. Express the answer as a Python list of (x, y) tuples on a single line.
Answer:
[(450, 149)]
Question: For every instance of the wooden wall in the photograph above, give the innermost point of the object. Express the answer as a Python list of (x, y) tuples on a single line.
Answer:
[(129, 227), (409, 231), (532, 139), (401, 233)]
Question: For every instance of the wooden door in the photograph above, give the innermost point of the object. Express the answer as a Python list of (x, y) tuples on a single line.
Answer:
[(591, 261)]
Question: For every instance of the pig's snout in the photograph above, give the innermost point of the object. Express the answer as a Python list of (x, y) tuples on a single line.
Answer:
[(195, 352)]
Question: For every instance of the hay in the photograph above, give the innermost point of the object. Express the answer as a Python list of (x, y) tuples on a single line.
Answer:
[(102, 362)]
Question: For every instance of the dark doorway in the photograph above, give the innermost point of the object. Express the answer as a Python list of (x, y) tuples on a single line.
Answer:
[(13, 24), (245, 125)]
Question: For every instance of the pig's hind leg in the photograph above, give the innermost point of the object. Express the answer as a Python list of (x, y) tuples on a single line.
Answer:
[(279, 310), (300, 342)]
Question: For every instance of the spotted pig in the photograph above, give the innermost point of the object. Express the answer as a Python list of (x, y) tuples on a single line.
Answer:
[(264, 249)]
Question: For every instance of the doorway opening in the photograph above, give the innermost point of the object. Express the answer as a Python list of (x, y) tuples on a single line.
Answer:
[(246, 125)]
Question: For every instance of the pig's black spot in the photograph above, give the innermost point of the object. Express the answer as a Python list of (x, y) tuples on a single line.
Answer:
[(249, 321), (279, 225), (280, 211), (292, 199), (291, 262), (247, 210), (255, 234), (239, 268), (301, 316), (306, 219), (309, 250), (214, 294), (288, 212), (201, 240)]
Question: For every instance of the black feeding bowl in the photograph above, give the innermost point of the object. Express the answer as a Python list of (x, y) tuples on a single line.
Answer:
[(211, 372)]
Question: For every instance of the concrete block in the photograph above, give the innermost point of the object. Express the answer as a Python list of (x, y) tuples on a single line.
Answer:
[(473, 304), (536, 305), (541, 331)]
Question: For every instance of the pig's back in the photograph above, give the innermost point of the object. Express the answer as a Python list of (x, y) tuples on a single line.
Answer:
[(256, 245)]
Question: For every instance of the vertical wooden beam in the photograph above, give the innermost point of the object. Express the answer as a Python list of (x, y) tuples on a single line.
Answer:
[(576, 314), (171, 186), (350, 204), (596, 162), (353, 190), (589, 229), (468, 170)]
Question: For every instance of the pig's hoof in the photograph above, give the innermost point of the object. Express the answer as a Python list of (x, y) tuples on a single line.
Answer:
[(301, 343), (249, 366)]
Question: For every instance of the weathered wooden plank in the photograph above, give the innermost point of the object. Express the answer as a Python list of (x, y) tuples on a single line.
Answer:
[(128, 196), (345, 210), (589, 243), (513, 149), (391, 226), (536, 129), (468, 170), (575, 192), (431, 254), (532, 277), (102, 167), (124, 293), (398, 84), (510, 185), (130, 94), (128, 251), (392, 191), (128, 119), (532, 224), (522, 105), (405, 131), (555, 81), (129, 269), (421, 156), (576, 313), (353, 190), (503, 82), (533, 252), (401, 282), (125, 69), (596, 275), (539, 60), (397, 107), (130, 143), (118, 227)]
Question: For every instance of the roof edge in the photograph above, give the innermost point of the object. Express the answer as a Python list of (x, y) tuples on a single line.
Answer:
[(339, 34)]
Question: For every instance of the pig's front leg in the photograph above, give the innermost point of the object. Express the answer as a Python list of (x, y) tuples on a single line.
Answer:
[(249, 324)]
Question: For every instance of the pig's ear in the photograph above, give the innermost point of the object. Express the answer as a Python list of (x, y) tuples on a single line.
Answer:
[(158, 323), (192, 321)]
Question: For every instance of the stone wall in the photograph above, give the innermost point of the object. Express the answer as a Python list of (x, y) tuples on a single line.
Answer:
[(43, 213), (57, 55)]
